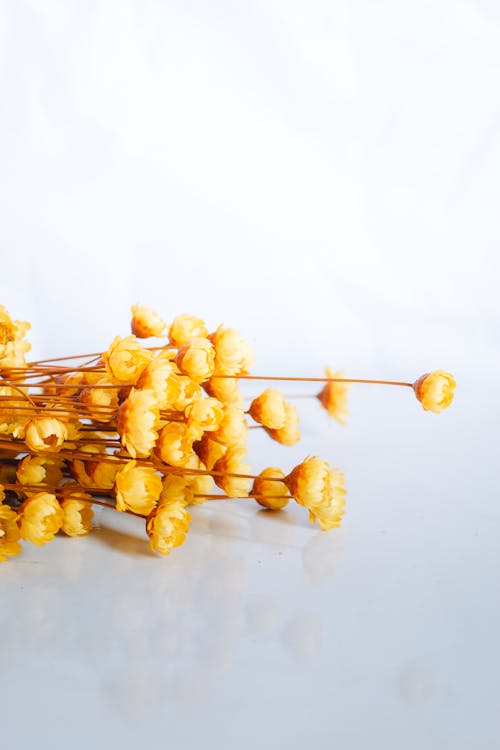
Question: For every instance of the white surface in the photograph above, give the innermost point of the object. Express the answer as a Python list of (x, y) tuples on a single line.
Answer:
[(262, 630), (323, 175)]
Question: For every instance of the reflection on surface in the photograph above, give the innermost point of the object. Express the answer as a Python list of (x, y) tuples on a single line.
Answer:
[(150, 632), (416, 683)]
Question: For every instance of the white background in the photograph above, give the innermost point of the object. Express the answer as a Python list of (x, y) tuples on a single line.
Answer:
[(324, 176)]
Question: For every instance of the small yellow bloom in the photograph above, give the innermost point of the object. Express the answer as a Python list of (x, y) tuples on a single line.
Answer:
[(80, 468), (45, 434), (269, 493), (137, 488), (11, 421), (233, 356), (269, 409), (210, 451), (190, 392), (288, 434), (334, 396), (41, 518), (197, 360), (78, 514), (233, 429), (319, 489), (226, 390), (146, 323), (9, 531), (126, 359), (176, 487), (160, 377), (167, 526), (12, 344), (137, 423), (434, 390), (233, 486), (175, 444), (100, 402), (204, 415), (103, 473), (40, 470), (184, 328)]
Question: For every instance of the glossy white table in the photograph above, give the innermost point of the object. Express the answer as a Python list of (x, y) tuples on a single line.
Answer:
[(262, 631)]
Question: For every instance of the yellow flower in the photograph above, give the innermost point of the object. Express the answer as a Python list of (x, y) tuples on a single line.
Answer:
[(269, 493), (126, 359), (175, 444), (100, 402), (197, 359), (184, 328), (78, 514), (269, 409), (226, 390), (167, 526), (103, 473), (41, 518), (288, 434), (161, 378), (176, 487), (11, 423), (233, 429), (210, 451), (233, 356), (329, 515), (146, 323), (233, 486), (45, 434), (434, 390), (9, 531), (80, 468), (190, 392), (334, 396), (137, 423), (137, 488), (319, 489), (12, 344), (204, 415), (40, 470)]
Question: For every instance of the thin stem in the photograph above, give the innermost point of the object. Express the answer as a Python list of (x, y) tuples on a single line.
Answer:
[(314, 380)]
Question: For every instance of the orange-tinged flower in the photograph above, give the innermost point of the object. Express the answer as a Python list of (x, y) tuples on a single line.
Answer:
[(333, 396), (126, 360), (78, 514), (233, 429), (9, 531), (184, 328), (319, 489), (167, 526), (204, 415), (137, 488), (137, 423), (268, 492), (226, 390), (45, 434), (196, 359), (288, 434), (434, 390), (40, 470), (269, 409), (160, 377), (146, 322), (210, 451), (175, 444), (190, 391), (41, 518), (103, 473), (80, 468), (233, 486), (12, 344), (100, 402), (233, 356)]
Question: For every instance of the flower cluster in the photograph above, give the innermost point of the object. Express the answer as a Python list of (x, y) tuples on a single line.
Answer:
[(152, 430)]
